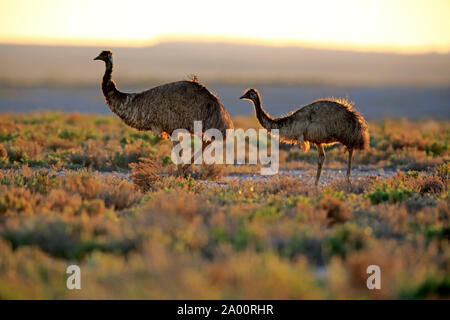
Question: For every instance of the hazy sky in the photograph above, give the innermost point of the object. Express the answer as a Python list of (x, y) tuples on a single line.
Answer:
[(382, 25)]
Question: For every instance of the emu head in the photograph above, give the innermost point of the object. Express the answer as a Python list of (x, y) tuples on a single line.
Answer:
[(105, 56), (250, 94)]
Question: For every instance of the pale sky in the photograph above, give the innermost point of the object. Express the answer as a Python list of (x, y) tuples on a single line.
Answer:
[(381, 25)]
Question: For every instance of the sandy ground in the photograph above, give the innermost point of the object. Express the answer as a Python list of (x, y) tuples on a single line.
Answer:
[(328, 176)]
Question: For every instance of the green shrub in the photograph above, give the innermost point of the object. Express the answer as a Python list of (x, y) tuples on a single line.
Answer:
[(69, 134), (3, 152), (391, 194), (346, 238), (7, 136), (436, 148), (66, 240)]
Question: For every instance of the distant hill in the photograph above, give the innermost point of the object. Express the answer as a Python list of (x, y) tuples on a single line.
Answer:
[(223, 63)]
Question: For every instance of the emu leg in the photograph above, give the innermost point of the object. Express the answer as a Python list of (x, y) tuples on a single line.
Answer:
[(349, 168), (320, 162)]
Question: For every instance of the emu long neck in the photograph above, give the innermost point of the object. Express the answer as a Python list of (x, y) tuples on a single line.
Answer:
[(118, 102), (113, 96), (264, 119)]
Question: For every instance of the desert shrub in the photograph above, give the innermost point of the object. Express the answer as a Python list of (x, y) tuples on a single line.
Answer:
[(41, 181), (57, 143), (37, 181), (443, 171), (391, 194), (91, 156), (417, 202), (282, 185), (69, 134), (212, 171), (345, 238), (431, 184), (17, 200), (144, 136), (335, 209), (166, 160), (119, 194), (171, 183), (65, 240), (246, 269), (116, 193), (271, 210), (132, 152), (86, 185), (22, 150), (92, 207), (144, 174), (436, 148), (3, 152), (237, 238), (301, 244), (57, 158), (7, 136), (17, 155), (181, 216), (357, 185), (60, 200), (434, 285)]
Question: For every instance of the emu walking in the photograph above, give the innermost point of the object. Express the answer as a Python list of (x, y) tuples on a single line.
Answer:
[(322, 122), (165, 108)]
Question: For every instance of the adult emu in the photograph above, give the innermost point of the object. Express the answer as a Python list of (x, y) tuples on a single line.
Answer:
[(165, 108), (322, 122)]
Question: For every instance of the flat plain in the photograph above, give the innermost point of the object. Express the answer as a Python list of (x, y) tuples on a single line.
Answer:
[(86, 189)]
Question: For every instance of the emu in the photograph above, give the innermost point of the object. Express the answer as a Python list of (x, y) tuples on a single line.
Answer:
[(323, 122), (165, 108)]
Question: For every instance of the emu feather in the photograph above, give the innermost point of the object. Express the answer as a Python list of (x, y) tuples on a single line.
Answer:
[(322, 122)]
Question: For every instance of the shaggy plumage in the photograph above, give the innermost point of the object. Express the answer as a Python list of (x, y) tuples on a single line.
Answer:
[(165, 108), (322, 122)]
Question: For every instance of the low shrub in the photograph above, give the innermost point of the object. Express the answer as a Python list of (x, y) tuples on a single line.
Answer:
[(145, 173)]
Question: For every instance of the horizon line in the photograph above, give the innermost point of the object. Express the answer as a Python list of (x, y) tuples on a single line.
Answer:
[(123, 43)]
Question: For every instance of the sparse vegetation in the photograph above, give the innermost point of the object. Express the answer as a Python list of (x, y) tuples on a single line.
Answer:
[(89, 190)]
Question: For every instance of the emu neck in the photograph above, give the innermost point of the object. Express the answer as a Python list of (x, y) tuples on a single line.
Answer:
[(264, 119), (114, 98)]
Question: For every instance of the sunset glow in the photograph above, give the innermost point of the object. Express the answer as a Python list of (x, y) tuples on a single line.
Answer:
[(380, 25)]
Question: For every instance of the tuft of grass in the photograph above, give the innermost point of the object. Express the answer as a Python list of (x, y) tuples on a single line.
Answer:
[(3, 152), (431, 184), (336, 210), (389, 193), (144, 174)]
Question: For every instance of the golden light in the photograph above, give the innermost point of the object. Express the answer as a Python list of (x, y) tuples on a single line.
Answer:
[(401, 25)]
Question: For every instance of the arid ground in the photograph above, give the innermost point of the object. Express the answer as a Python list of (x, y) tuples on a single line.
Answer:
[(88, 190)]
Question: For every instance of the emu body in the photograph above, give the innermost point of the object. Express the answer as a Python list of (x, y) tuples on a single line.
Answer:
[(322, 122), (165, 108)]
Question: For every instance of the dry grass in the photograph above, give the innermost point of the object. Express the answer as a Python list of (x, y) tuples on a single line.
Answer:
[(336, 210), (144, 232), (144, 174), (3, 152)]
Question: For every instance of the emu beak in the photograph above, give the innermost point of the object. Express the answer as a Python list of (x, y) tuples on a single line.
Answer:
[(97, 58), (243, 97)]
